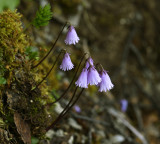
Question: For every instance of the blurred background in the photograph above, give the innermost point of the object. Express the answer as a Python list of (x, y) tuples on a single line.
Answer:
[(124, 37)]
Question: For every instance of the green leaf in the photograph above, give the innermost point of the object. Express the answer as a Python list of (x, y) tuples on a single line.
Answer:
[(33, 88), (2, 80), (34, 140), (32, 53), (43, 16)]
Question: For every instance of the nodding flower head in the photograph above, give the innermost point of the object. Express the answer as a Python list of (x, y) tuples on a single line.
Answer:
[(66, 63), (106, 83), (77, 108), (82, 80), (72, 37), (93, 77), (124, 105), (89, 62)]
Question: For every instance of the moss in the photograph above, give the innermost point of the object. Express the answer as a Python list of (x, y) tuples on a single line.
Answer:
[(17, 94), (12, 43)]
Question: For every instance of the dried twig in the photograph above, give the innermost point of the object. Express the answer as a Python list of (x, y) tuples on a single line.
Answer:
[(114, 113)]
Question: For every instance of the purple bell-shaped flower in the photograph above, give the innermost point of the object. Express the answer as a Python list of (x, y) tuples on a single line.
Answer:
[(72, 37), (106, 83), (66, 63), (82, 80), (93, 77), (89, 62), (124, 105)]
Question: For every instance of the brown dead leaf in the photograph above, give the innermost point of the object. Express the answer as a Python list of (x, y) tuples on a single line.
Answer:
[(22, 128)]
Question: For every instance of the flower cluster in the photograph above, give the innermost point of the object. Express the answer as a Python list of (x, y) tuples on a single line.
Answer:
[(89, 74)]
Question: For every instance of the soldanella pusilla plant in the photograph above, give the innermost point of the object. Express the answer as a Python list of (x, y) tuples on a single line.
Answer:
[(26, 105)]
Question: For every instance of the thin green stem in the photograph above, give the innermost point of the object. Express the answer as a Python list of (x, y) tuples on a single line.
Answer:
[(51, 47), (66, 91), (61, 114), (50, 69)]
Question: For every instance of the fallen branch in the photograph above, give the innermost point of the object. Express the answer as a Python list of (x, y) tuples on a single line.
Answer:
[(114, 113)]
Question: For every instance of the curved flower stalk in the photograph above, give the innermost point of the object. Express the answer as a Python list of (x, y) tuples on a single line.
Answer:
[(67, 108), (93, 77), (72, 37), (50, 69), (53, 47), (106, 83), (82, 80), (71, 83), (89, 62), (66, 63)]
